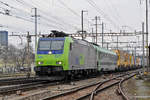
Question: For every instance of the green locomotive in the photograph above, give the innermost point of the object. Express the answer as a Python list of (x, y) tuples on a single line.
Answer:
[(64, 55)]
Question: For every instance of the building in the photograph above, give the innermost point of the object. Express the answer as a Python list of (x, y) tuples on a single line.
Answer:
[(3, 38)]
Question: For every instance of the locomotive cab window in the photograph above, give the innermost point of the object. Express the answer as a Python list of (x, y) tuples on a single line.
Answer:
[(51, 45), (57, 45), (44, 45)]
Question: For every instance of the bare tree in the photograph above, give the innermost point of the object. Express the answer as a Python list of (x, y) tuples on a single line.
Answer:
[(17, 57), (4, 55)]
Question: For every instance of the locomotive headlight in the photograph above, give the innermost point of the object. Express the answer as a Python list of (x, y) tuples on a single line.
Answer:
[(50, 52), (40, 62), (59, 62)]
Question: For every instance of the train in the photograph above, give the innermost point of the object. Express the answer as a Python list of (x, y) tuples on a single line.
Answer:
[(61, 55)]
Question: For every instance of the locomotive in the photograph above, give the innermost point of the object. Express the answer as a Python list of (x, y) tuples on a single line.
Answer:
[(59, 54)]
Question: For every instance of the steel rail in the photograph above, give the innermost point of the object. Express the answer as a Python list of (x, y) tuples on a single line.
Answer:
[(81, 88), (92, 94), (21, 81), (20, 87), (120, 91), (23, 87), (96, 90), (15, 81)]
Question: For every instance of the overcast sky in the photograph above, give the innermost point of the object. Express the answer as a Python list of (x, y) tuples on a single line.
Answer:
[(65, 15)]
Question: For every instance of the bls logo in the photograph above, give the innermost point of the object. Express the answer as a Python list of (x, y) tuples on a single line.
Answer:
[(80, 60)]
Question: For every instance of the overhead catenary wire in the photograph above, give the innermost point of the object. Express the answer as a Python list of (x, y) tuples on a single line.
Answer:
[(6, 4), (113, 10), (56, 18), (15, 16), (46, 14), (43, 13), (20, 11), (53, 19), (94, 5), (75, 13), (118, 16), (7, 27), (70, 9), (25, 19)]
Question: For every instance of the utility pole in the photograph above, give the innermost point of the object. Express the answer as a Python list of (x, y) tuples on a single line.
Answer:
[(143, 46), (82, 22), (121, 31), (28, 41), (124, 29), (147, 34), (135, 54), (127, 47), (93, 38), (28, 48), (107, 45), (117, 42), (96, 27), (118, 39), (110, 31), (35, 28), (102, 34), (35, 17)]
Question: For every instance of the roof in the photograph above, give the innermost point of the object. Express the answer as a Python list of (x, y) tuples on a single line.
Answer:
[(104, 50)]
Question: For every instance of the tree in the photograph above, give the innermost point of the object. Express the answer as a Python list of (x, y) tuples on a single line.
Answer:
[(17, 57)]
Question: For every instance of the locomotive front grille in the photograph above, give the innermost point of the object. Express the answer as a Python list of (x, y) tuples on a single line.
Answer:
[(48, 69)]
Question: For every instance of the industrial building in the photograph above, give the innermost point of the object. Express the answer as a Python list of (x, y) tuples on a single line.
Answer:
[(3, 38)]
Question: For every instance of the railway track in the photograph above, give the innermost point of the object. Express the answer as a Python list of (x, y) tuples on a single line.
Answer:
[(27, 84), (97, 90), (91, 90), (25, 87), (23, 80), (20, 87), (36, 83), (120, 90), (13, 81), (43, 82)]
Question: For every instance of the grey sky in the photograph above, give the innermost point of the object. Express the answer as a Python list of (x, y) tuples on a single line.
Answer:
[(120, 12), (64, 15)]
